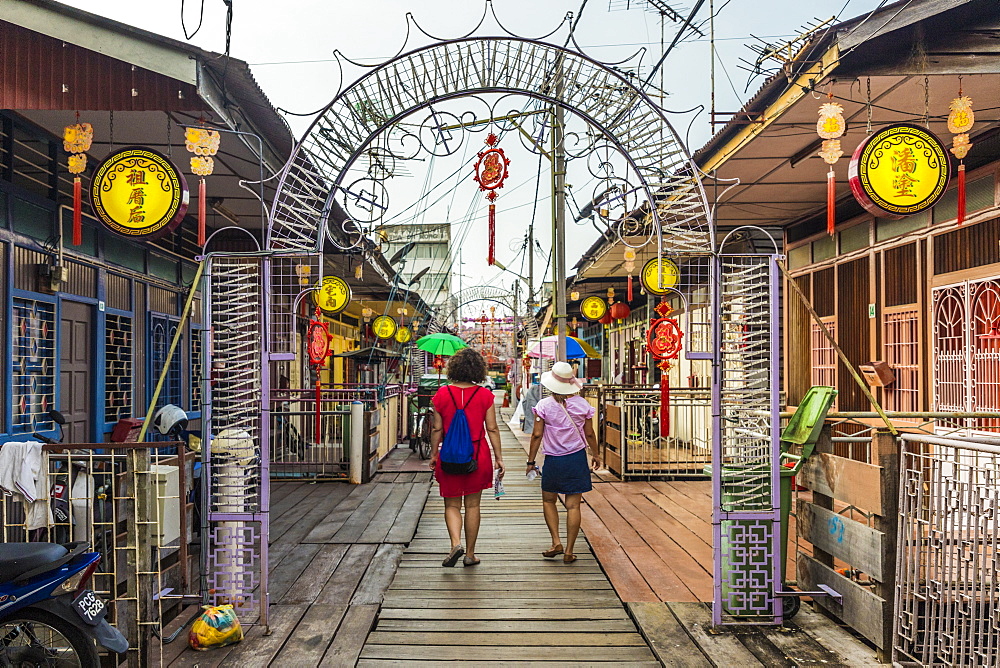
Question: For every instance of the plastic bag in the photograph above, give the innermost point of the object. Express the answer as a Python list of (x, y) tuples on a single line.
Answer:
[(216, 627)]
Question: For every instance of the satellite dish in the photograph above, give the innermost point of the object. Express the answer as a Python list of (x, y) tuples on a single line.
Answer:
[(398, 255), (420, 274)]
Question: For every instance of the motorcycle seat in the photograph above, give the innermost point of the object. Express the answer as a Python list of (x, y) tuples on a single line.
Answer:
[(16, 559)]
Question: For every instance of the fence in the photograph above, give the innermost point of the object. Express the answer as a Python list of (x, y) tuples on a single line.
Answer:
[(132, 503), (630, 431), (298, 450), (949, 553)]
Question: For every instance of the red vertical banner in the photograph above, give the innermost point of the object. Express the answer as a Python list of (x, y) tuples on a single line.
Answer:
[(77, 212), (493, 235), (961, 193), (201, 213), (831, 201)]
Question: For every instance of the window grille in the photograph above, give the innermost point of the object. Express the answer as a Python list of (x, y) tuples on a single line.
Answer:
[(824, 357), (118, 363), (902, 354), (197, 360), (33, 365), (161, 333)]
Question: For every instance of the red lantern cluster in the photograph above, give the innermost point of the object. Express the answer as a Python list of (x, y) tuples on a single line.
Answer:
[(619, 311)]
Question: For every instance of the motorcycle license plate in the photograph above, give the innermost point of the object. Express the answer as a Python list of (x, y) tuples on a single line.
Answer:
[(90, 607)]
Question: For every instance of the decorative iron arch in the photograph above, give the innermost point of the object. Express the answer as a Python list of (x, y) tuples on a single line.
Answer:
[(488, 293)]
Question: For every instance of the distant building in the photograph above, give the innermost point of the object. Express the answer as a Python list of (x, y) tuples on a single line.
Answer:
[(431, 251)]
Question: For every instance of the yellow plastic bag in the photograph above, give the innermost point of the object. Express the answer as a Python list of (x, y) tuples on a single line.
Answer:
[(216, 627)]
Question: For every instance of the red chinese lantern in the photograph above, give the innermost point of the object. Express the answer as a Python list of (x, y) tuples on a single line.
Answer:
[(606, 319), (619, 311)]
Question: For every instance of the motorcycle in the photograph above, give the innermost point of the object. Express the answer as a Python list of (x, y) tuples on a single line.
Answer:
[(48, 616)]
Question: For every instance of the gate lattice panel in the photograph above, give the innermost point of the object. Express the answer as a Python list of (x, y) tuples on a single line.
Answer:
[(746, 517), (235, 465)]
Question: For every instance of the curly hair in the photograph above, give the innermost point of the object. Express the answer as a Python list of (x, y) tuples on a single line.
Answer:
[(467, 366)]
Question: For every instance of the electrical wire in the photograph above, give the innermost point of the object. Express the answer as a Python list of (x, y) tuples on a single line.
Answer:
[(201, 19)]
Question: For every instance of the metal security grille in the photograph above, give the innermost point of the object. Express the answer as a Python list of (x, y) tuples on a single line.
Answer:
[(902, 354), (966, 352), (236, 467), (161, 332), (117, 367), (197, 365), (824, 358), (746, 518), (33, 365), (947, 595)]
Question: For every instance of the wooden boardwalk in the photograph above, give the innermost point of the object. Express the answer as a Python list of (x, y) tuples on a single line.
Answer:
[(334, 549), (515, 608)]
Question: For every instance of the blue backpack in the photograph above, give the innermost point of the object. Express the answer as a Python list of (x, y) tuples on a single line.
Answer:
[(457, 454)]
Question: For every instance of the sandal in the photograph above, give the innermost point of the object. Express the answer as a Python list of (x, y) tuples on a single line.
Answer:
[(557, 550), (569, 558), (453, 556), (470, 561)]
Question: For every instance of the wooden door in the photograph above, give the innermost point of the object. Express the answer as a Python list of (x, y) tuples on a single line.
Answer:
[(76, 371)]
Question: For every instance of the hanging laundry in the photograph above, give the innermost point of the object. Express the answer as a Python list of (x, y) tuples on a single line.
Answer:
[(24, 473)]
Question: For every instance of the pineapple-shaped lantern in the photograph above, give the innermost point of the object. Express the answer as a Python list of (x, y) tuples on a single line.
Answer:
[(77, 139), (831, 127), (204, 143), (960, 121)]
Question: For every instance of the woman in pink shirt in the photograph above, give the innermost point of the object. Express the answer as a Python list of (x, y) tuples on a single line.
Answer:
[(563, 429)]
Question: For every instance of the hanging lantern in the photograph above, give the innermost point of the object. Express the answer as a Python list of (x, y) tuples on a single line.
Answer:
[(574, 296), (960, 122), (77, 139), (830, 127), (663, 341), (620, 311), (359, 271), (606, 318), (490, 173), (629, 266), (204, 143), (611, 296)]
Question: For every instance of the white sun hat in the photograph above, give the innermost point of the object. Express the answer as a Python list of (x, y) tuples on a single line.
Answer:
[(561, 379)]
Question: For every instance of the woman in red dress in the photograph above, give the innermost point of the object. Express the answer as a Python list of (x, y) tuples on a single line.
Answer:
[(466, 369)]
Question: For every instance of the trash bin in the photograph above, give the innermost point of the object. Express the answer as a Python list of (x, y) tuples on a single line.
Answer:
[(748, 489)]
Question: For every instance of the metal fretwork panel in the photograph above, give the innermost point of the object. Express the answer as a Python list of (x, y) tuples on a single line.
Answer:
[(746, 517), (236, 472), (947, 595)]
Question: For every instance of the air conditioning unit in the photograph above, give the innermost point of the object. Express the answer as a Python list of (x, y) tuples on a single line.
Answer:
[(165, 483)]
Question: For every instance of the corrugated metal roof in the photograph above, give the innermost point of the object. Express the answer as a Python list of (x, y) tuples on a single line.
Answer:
[(41, 72)]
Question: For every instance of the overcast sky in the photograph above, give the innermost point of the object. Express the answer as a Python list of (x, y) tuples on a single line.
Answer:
[(290, 44)]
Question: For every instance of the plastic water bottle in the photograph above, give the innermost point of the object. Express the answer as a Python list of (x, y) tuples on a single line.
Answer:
[(532, 474)]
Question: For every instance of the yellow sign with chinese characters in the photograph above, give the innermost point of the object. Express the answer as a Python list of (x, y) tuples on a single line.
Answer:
[(138, 193), (384, 327), (659, 275), (899, 170), (593, 308), (403, 335), (332, 295)]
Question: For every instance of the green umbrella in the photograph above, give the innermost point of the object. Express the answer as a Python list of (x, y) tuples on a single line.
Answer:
[(441, 343)]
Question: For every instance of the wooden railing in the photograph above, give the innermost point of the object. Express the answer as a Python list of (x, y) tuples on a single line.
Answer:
[(854, 558)]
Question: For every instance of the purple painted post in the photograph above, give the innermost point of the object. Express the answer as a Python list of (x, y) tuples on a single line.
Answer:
[(716, 282), (774, 341), (265, 441)]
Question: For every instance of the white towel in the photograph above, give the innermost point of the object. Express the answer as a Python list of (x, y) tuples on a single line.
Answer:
[(24, 472)]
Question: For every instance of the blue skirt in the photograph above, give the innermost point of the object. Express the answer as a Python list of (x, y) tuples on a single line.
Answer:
[(567, 474)]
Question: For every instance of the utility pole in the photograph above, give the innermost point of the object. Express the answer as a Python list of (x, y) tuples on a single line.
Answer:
[(531, 265), (559, 217)]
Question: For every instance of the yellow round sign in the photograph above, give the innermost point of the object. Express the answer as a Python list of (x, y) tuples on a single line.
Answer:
[(659, 279), (899, 170), (403, 335), (593, 308), (384, 327), (137, 192), (332, 295)]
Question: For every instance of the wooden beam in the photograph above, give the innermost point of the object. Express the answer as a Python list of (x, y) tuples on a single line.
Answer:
[(861, 610), (850, 481), (848, 540)]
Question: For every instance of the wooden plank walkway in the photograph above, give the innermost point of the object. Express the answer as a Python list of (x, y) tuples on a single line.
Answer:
[(515, 608), (334, 549)]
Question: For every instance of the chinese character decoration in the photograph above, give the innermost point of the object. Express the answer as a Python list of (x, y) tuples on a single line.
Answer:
[(318, 340), (629, 266), (204, 143), (831, 127), (77, 139), (960, 121), (490, 173), (663, 340)]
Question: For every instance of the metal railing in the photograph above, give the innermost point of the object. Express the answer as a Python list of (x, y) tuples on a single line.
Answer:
[(686, 448), (947, 594), (131, 504)]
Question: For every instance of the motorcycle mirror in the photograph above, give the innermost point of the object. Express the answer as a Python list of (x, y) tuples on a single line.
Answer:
[(57, 417)]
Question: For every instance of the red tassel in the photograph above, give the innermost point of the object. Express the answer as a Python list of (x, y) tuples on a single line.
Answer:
[(77, 210), (961, 193), (665, 404), (831, 201), (629, 295), (201, 214), (493, 234)]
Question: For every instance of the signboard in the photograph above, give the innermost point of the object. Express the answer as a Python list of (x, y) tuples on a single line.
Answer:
[(138, 193), (659, 275), (593, 308), (332, 295), (403, 335), (899, 170), (384, 327)]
